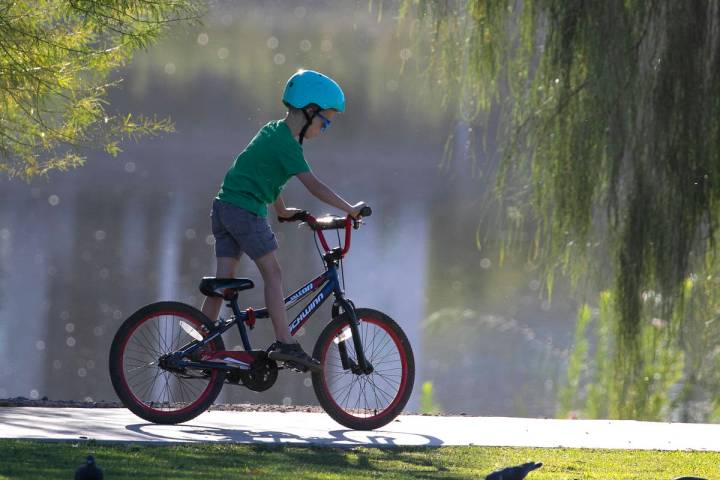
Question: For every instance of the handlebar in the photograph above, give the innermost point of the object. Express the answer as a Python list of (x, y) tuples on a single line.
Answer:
[(299, 216), (330, 222)]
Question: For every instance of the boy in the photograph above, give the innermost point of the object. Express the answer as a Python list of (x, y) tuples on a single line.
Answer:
[(256, 178)]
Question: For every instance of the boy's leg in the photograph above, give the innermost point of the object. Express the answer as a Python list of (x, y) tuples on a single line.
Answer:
[(226, 267), (272, 278), (286, 349)]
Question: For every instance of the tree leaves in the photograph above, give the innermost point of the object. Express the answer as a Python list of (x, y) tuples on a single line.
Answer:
[(55, 57)]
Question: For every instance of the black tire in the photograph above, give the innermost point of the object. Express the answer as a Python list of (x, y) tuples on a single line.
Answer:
[(152, 331), (388, 387)]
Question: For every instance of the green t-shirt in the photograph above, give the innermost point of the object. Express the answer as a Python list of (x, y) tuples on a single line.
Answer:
[(261, 171)]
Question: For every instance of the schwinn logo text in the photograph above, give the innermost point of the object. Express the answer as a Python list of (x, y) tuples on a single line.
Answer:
[(311, 306), (300, 292)]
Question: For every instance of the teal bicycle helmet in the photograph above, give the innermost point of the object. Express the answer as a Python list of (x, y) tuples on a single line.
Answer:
[(308, 87)]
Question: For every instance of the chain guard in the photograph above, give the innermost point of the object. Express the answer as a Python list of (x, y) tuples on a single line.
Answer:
[(262, 376)]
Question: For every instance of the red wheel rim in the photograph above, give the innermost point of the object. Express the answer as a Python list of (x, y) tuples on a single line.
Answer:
[(374, 391)]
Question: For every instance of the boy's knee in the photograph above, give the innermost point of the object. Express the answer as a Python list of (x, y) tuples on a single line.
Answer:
[(272, 271)]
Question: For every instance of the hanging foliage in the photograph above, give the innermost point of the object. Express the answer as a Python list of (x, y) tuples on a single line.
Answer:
[(612, 114)]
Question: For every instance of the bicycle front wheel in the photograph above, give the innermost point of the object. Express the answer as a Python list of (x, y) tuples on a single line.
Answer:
[(158, 394), (364, 401)]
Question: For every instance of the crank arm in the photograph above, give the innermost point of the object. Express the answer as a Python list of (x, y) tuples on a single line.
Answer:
[(205, 365)]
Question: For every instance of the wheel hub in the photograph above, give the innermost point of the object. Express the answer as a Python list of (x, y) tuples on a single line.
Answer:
[(170, 362), (357, 370)]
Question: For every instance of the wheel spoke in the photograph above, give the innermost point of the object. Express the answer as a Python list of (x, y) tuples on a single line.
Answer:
[(148, 343)]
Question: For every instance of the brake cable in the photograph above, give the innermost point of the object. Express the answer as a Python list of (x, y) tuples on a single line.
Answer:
[(318, 248), (342, 271)]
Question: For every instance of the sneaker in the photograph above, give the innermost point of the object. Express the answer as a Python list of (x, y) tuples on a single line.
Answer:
[(294, 355)]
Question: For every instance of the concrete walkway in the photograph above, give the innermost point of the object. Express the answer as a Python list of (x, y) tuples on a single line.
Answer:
[(299, 428)]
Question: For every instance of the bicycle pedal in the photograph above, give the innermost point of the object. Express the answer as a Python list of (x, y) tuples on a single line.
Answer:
[(296, 367)]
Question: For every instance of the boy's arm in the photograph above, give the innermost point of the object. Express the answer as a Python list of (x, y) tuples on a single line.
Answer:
[(326, 194), (282, 210)]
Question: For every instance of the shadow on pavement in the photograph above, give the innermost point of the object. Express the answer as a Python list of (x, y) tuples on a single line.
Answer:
[(335, 438)]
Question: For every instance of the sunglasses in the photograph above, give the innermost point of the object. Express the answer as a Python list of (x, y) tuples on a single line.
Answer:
[(326, 122)]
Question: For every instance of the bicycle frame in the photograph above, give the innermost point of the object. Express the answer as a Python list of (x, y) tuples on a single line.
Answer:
[(328, 284), (168, 361)]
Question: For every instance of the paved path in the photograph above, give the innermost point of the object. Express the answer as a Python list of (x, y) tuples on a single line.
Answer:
[(299, 428)]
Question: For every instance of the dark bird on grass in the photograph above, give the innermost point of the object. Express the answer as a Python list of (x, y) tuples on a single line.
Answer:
[(514, 473), (689, 478), (89, 471)]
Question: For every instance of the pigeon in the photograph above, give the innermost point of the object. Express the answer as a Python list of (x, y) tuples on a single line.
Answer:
[(689, 478), (89, 471), (514, 473)]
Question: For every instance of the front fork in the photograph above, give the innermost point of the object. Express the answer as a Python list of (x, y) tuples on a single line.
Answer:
[(362, 366)]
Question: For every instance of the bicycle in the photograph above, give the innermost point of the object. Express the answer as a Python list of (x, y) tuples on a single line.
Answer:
[(168, 361)]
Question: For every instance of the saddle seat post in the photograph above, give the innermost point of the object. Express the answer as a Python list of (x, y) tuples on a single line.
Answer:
[(240, 316)]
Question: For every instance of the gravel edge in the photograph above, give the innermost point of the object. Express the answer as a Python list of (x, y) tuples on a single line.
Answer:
[(230, 407), (236, 407)]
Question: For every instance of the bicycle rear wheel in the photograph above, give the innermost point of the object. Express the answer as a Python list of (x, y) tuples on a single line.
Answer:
[(358, 401), (157, 394)]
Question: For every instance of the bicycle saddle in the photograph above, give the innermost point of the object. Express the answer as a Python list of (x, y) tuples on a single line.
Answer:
[(223, 287)]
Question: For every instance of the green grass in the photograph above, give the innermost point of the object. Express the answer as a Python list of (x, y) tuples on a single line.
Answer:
[(21, 459)]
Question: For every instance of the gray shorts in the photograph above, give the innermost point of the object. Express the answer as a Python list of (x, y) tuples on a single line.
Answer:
[(237, 230)]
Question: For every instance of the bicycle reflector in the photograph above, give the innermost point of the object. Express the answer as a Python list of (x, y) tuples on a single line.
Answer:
[(191, 331), (343, 335)]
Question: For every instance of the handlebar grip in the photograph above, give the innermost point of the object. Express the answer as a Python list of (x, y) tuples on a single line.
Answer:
[(298, 217), (364, 212)]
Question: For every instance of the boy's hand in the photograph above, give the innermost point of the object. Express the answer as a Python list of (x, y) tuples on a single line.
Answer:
[(293, 215), (288, 212), (355, 213)]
